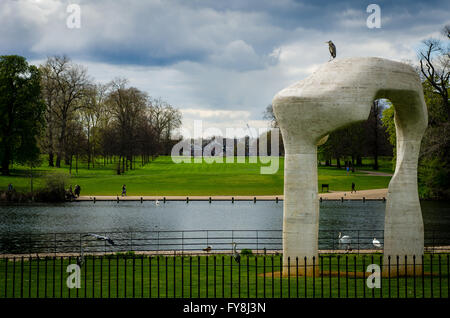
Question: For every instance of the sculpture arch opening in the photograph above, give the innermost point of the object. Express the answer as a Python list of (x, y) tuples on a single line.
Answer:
[(337, 94)]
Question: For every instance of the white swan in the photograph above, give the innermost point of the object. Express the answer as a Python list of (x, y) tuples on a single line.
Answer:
[(345, 240), (376, 243)]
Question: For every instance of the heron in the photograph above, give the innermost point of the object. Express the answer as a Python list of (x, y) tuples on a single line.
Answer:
[(345, 240), (100, 238), (236, 255), (332, 49), (80, 259), (376, 243)]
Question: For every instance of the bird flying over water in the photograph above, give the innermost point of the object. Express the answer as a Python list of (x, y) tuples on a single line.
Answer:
[(332, 49), (101, 238)]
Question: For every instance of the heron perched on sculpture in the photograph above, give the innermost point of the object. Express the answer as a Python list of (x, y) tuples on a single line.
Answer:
[(332, 49)]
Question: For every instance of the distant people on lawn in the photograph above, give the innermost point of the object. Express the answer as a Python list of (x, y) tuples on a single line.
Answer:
[(10, 187), (124, 190), (77, 190), (69, 194), (353, 187)]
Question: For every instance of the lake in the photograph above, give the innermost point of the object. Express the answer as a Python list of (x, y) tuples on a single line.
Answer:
[(181, 225)]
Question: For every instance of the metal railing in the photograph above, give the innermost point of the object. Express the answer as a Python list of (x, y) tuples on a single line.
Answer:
[(197, 241), (221, 276)]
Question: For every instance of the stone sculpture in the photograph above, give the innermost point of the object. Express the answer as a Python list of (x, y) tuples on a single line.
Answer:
[(339, 93)]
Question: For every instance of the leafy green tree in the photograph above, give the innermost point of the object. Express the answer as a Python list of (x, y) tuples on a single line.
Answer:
[(21, 111)]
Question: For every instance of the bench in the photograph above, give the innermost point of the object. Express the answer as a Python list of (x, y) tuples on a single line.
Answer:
[(324, 185)]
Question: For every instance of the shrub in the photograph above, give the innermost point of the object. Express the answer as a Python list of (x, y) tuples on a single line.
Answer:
[(54, 189), (246, 251)]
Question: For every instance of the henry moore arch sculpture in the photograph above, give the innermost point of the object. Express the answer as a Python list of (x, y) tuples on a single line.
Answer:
[(339, 93)]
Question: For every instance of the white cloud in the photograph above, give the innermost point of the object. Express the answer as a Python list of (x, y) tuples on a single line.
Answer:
[(217, 61)]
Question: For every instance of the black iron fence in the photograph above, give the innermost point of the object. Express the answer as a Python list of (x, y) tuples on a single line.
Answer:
[(222, 276), (211, 241)]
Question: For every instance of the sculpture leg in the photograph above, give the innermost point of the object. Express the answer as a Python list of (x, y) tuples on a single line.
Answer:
[(403, 229), (301, 211)]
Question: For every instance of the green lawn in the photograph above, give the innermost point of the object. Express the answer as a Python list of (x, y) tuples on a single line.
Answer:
[(214, 276), (163, 177)]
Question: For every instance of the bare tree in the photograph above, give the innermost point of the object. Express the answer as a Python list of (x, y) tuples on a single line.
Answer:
[(71, 81), (434, 61)]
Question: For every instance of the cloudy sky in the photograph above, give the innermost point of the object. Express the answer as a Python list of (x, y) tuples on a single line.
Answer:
[(218, 61)]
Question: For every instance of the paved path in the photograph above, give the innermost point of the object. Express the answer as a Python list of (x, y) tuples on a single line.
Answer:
[(376, 194), (376, 173)]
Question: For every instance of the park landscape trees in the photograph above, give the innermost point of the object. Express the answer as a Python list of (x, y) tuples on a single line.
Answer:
[(21, 111), (89, 120), (434, 158), (58, 110)]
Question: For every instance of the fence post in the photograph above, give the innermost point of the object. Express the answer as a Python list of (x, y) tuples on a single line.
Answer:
[(389, 274), (414, 274), (256, 276), (174, 275), (101, 277), (289, 277), (45, 277), (431, 275), (321, 275), (398, 276), (93, 276), (264, 279), (440, 279), (423, 276), (215, 286), (406, 276), (339, 275), (190, 277), (346, 275), (314, 276), (166, 278)]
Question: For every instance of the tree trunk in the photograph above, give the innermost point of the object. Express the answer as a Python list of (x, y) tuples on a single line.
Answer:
[(50, 159), (338, 162), (5, 164), (118, 166), (359, 161), (61, 143)]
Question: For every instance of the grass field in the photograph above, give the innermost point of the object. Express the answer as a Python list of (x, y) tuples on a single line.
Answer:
[(215, 276), (163, 177)]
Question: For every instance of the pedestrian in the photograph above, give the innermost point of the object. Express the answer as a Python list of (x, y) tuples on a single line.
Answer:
[(124, 190), (77, 190), (348, 169), (10, 187), (353, 187)]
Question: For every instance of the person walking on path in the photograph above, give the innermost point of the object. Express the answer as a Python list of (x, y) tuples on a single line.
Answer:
[(124, 190), (353, 187), (77, 190)]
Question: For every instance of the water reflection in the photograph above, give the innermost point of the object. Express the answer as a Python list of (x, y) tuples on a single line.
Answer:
[(20, 225)]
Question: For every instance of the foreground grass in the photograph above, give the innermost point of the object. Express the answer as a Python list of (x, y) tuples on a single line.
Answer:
[(163, 177), (213, 276)]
